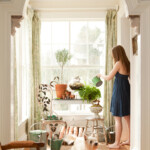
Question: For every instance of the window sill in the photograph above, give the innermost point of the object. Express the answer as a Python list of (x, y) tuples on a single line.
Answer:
[(67, 113), (68, 101)]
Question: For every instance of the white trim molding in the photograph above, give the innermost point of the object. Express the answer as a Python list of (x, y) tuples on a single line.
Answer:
[(135, 23), (15, 23), (136, 7)]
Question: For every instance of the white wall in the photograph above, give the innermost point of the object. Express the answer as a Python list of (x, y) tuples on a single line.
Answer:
[(145, 79), (140, 83), (4, 78), (95, 14), (123, 38), (8, 8), (72, 4), (123, 29), (135, 99)]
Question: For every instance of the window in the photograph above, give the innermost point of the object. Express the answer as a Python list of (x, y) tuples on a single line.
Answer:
[(22, 71), (85, 41)]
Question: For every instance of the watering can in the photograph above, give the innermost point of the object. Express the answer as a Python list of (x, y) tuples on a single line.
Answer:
[(97, 81), (56, 144)]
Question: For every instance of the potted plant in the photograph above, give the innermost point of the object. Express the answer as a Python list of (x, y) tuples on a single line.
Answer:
[(91, 94), (62, 57), (44, 101)]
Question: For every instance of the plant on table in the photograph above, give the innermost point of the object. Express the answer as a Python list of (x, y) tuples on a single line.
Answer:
[(62, 57), (91, 94), (43, 97)]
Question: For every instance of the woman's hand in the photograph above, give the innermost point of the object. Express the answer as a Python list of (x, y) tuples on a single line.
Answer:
[(98, 75)]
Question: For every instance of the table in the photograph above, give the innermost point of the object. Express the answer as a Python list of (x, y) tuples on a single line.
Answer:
[(69, 101)]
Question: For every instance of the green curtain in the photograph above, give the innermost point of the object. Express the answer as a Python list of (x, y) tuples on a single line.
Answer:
[(33, 26), (36, 29), (111, 41)]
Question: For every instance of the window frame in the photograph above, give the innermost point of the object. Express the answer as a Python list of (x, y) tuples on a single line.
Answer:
[(69, 20), (73, 66), (22, 72)]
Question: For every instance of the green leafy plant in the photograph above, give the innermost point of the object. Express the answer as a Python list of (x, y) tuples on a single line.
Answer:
[(89, 93), (62, 57)]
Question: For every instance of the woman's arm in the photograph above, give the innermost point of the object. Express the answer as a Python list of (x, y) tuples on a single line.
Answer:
[(112, 73)]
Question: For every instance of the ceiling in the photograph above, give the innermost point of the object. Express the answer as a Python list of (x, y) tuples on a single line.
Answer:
[(73, 4)]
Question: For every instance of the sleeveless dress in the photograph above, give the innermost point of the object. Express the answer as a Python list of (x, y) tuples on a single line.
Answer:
[(120, 102)]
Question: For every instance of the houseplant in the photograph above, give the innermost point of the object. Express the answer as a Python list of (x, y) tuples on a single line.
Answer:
[(43, 97), (62, 57), (91, 94)]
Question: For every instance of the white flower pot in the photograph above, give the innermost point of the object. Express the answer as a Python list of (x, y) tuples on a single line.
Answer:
[(96, 111)]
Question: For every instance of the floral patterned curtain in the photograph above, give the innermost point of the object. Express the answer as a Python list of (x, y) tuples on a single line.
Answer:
[(35, 28), (111, 41), (31, 36)]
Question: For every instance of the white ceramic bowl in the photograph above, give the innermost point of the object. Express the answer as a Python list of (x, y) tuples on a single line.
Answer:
[(96, 111)]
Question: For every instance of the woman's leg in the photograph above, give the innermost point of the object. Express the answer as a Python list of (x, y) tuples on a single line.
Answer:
[(127, 119), (118, 131)]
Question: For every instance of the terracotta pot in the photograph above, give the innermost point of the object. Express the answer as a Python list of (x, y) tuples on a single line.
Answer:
[(72, 96), (60, 90)]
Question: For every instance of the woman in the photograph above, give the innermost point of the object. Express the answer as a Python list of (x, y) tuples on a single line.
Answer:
[(120, 102)]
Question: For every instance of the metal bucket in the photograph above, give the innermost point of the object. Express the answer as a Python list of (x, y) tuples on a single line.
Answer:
[(97, 81), (38, 136)]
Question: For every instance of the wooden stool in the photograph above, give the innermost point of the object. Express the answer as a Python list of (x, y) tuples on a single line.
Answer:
[(95, 127)]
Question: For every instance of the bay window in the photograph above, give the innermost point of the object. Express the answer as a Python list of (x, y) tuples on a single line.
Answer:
[(85, 41)]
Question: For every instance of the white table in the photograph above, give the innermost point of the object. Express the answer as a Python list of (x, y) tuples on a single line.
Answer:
[(68, 101)]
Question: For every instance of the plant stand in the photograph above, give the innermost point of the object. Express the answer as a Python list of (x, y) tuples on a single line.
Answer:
[(97, 124), (96, 111)]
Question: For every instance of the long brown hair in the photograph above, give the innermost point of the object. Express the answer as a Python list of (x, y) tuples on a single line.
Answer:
[(119, 54)]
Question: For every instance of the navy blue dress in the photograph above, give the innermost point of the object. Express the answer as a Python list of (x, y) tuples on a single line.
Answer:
[(120, 102)]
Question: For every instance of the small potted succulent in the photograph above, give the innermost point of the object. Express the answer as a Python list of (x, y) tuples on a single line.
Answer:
[(62, 57), (91, 94)]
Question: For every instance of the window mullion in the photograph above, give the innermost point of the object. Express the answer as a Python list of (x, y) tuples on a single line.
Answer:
[(20, 77), (87, 49), (69, 37), (87, 44), (51, 42)]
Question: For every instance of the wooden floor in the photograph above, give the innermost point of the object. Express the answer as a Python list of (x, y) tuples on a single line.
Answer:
[(80, 144)]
